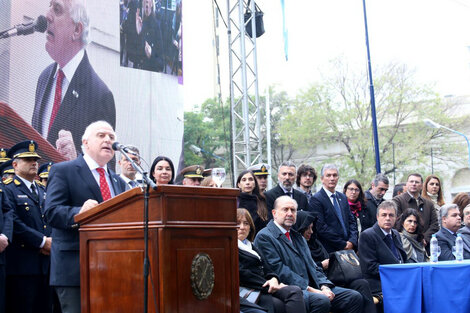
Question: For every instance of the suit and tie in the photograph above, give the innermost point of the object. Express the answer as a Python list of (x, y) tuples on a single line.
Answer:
[(70, 184), (27, 268), (374, 250), (336, 224), (446, 241), (292, 262), (87, 100), (276, 192)]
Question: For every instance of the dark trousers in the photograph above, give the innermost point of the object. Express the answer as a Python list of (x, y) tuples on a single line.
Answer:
[(289, 300), (2, 288), (28, 294), (362, 286), (69, 298)]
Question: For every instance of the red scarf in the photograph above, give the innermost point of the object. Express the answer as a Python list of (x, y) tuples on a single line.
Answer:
[(355, 207)]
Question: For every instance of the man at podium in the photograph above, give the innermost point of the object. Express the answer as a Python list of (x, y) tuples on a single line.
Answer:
[(74, 187)]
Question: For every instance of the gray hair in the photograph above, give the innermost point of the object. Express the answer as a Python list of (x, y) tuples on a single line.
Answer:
[(91, 127), (281, 198), (380, 178), (446, 208), (388, 204), (329, 167), (131, 148), (79, 14), (288, 163)]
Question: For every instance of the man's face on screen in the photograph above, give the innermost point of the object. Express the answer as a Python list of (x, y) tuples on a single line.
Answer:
[(63, 34)]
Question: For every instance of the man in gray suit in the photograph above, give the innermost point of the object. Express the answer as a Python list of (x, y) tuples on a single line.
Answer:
[(451, 222), (289, 256)]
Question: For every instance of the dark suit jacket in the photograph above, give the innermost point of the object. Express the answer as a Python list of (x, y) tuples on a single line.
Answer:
[(373, 251), (276, 192), (87, 100), (329, 229), (291, 261), (70, 184), (253, 271), (29, 229), (425, 209), (446, 241), (369, 216), (6, 222)]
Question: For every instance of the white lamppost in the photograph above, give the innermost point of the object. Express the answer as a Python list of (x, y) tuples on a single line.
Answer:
[(433, 124)]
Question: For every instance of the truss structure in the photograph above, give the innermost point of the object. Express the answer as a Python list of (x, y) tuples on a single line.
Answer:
[(245, 109)]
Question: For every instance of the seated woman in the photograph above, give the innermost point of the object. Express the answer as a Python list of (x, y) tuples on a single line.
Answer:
[(465, 232), (357, 203), (162, 171), (306, 226), (208, 182), (255, 273), (410, 227), (251, 199)]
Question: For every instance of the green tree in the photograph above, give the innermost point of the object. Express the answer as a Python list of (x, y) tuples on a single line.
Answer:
[(333, 118)]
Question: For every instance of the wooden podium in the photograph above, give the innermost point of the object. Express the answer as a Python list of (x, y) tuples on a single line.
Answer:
[(192, 251)]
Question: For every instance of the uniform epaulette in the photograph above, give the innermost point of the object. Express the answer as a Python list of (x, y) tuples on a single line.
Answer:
[(40, 183), (7, 181), (17, 182)]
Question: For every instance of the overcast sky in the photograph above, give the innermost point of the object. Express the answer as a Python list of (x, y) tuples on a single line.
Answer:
[(432, 36)]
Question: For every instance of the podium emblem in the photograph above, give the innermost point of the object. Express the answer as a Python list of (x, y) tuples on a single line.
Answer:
[(202, 276)]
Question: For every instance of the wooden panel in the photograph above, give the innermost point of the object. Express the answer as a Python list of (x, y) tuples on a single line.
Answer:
[(180, 250)]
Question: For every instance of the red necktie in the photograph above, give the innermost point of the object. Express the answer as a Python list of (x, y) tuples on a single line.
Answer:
[(57, 97), (288, 235), (104, 187)]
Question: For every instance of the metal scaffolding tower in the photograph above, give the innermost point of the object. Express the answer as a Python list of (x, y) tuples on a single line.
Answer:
[(244, 98)]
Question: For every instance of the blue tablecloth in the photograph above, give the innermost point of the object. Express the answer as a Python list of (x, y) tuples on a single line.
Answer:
[(426, 287)]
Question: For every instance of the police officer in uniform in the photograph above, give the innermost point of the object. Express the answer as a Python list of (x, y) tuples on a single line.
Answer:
[(28, 261), (3, 160), (43, 173), (192, 175), (6, 170), (6, 233), (261, 172)]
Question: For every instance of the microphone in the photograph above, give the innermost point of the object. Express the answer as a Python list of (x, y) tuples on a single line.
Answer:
[(120, 147), (39, 25)]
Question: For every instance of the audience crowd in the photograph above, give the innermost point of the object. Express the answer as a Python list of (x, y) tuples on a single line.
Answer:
[(288, 236)]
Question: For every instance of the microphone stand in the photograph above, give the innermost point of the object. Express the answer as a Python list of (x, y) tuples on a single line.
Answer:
[(148, 183)]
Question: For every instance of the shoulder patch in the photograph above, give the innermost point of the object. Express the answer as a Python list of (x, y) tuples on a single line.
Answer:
[(8, 181), (17, 182), (40, 183)]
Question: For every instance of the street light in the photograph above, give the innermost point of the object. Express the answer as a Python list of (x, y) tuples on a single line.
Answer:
[(433, 124)]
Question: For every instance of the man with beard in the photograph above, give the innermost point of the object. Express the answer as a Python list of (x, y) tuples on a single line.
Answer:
[(375, 196), (337, 228), (286, 179), (306, 177)]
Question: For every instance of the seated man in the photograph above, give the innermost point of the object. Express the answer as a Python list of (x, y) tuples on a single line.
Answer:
[(465, 232), (451, 222), (289, 256), (380, 244)]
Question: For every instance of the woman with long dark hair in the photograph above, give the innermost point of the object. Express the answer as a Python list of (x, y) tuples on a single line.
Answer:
[(357, 203), (162, 171), (251, 199), (410, 227)]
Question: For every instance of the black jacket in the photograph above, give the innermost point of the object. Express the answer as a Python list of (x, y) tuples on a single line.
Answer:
[(249, 202)]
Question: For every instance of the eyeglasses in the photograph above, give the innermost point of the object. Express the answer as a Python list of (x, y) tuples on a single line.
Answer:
[(351, 189)]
